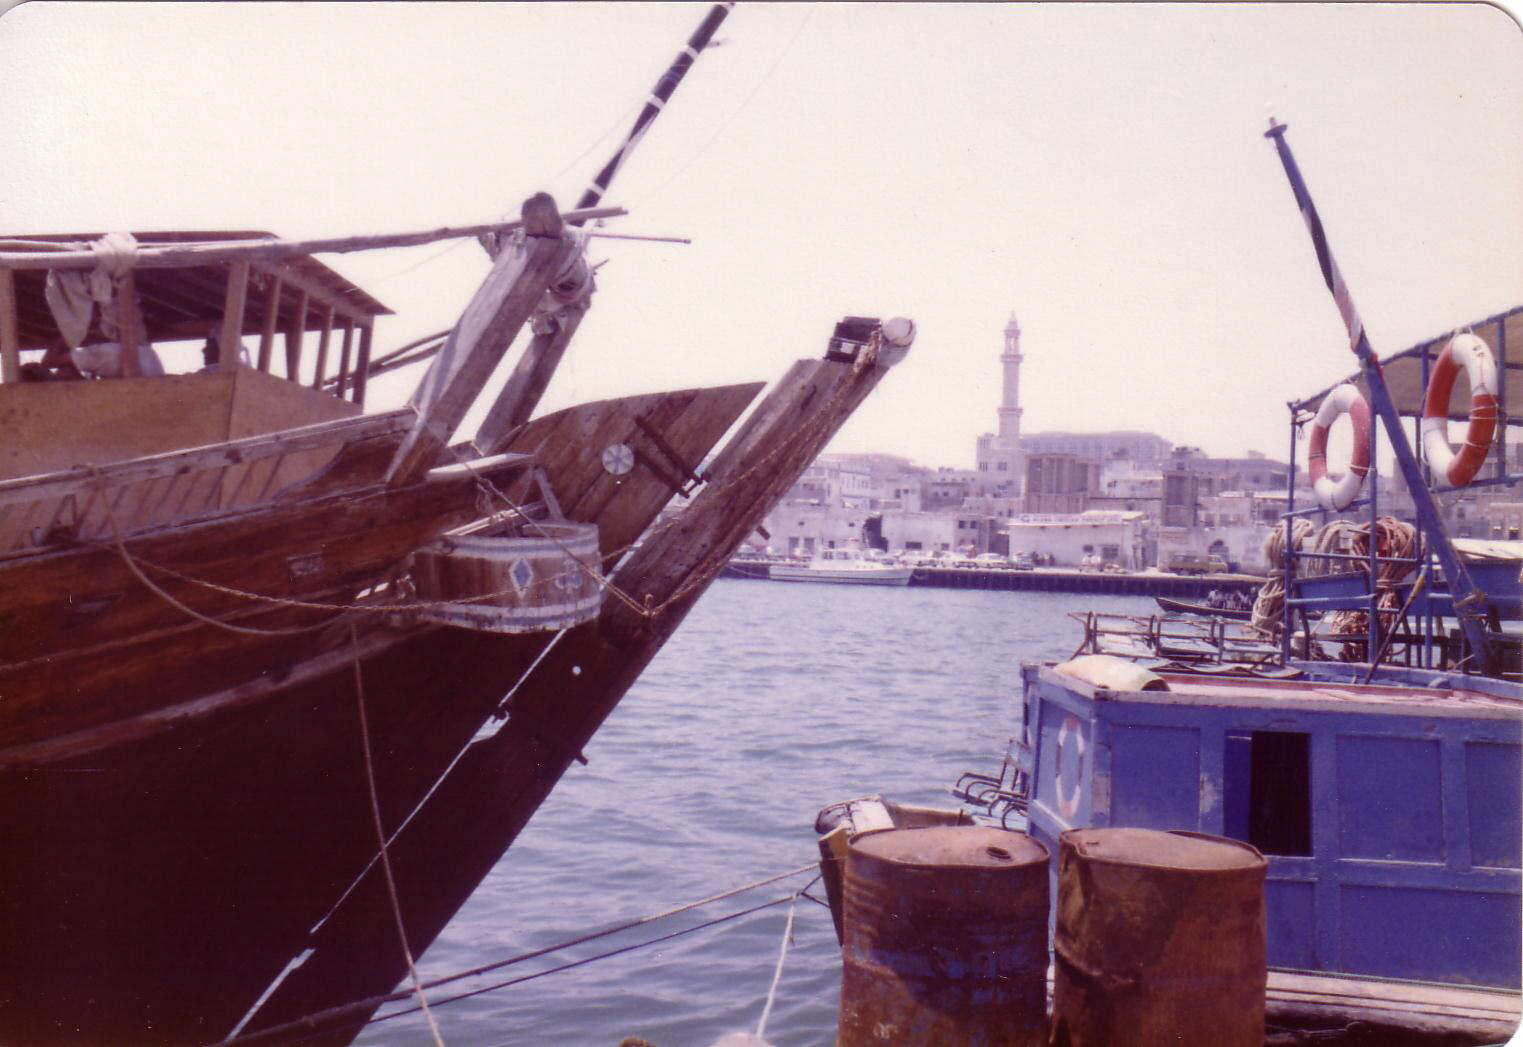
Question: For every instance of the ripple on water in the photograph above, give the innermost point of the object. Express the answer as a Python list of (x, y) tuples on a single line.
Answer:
[(770, 702)]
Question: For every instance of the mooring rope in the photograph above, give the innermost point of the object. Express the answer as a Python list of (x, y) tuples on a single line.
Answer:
[(380, 835), (307, 1026), (782, 954)]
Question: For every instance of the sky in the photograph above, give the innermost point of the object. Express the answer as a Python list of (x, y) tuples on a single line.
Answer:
[(1098, 170)]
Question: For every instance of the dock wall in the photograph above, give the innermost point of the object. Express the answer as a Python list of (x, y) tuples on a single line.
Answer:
[(1052, 581)]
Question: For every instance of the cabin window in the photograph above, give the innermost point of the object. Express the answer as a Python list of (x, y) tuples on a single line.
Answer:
[(1267, 792)]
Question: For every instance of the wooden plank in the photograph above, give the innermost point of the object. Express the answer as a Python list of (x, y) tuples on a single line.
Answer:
[(126, 324), (521, 393), (271, 318), (323, 434), (231, 335), (155, 257), (362, 365), (290, 277), (515, 285), (10, 340), (321, 367), (114, 664), (296, 327), (343, 359)]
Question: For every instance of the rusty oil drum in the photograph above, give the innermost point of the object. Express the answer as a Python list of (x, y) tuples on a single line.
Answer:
[(1159, 940), (945, 938)]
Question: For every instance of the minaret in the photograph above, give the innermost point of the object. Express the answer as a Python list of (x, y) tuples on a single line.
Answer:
[(1010, 403)]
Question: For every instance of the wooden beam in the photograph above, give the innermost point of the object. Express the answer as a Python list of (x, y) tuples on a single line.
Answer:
[(10, 339), (362, 365), (296, 326), (290, 277), (322, 348), (84, 478), (343, 358), (126, 324), (271, 318), (81, 257), (518, 280), (526, 385)]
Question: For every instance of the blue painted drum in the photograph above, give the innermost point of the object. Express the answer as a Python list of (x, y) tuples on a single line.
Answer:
[(945, 938)]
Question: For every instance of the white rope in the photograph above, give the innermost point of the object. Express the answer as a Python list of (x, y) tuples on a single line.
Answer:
[(777, 974), (380, 834)]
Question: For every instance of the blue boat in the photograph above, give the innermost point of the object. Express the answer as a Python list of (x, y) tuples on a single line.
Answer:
[(1378, 761), (1364, 732)]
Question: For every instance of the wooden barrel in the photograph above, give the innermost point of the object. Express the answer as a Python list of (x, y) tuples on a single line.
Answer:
[(533, 582), (1159, 940), (945, 938)]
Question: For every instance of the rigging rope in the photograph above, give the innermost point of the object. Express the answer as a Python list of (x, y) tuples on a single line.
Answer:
[(306, 1025), (380, 835)]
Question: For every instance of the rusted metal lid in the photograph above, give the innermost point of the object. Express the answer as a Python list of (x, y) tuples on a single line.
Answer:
[(1163, 850), (978, 846)]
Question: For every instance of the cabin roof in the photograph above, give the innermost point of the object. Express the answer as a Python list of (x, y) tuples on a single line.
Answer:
[(187, 302), (1404, 370)]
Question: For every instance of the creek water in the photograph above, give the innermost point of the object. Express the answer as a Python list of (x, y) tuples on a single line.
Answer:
[(770, 702)]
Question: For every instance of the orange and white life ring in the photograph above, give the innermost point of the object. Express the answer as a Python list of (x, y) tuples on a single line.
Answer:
[(1474, 355), (1340, 493)]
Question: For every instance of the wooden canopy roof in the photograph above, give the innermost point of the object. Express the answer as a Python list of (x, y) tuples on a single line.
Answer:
[(186, 302), (1404, 370)]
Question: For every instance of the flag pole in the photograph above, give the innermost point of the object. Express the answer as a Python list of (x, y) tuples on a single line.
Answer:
[(1469, 602)]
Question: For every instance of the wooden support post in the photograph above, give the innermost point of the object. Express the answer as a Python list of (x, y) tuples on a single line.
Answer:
[(296, 327), (343, 358), (271, 318), (524, 387), (362, 365), (126, 324), (10, 339), (322, 348), (498, 310), (231, 337)]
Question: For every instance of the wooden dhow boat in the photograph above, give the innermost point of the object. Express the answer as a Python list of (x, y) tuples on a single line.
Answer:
[(281, 681)]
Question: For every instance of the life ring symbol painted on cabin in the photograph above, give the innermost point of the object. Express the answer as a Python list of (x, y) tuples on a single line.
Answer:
[(1069, 796)]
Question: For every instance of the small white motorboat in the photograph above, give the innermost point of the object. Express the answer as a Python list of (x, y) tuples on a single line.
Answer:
[(848, 566)]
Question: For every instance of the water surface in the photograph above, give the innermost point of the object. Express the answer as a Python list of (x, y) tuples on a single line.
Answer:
[(770, 702)]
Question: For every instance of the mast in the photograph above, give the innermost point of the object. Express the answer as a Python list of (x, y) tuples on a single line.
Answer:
[(659, 96), (556, 321), (1469, 602)]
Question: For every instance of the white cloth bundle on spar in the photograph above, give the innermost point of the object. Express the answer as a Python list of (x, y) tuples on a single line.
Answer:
[(72, 294)]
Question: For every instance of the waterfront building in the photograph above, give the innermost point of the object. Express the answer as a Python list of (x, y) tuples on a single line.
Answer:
[(954, 532), (1115, 537)]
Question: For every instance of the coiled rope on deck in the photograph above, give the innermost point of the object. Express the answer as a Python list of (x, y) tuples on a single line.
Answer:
[(1270, 604)]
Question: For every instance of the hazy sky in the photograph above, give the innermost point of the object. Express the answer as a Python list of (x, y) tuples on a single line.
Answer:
[(1099, 169)]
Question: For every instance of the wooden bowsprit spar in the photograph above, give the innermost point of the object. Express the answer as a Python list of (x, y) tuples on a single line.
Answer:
[(471, 818), (1468, 600)]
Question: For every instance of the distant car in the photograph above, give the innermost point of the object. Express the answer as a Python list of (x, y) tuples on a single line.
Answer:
[(991, 561), (1022, 562), (960, 560)]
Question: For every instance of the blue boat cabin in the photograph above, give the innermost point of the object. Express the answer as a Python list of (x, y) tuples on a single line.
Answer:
[(1390, 813)]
